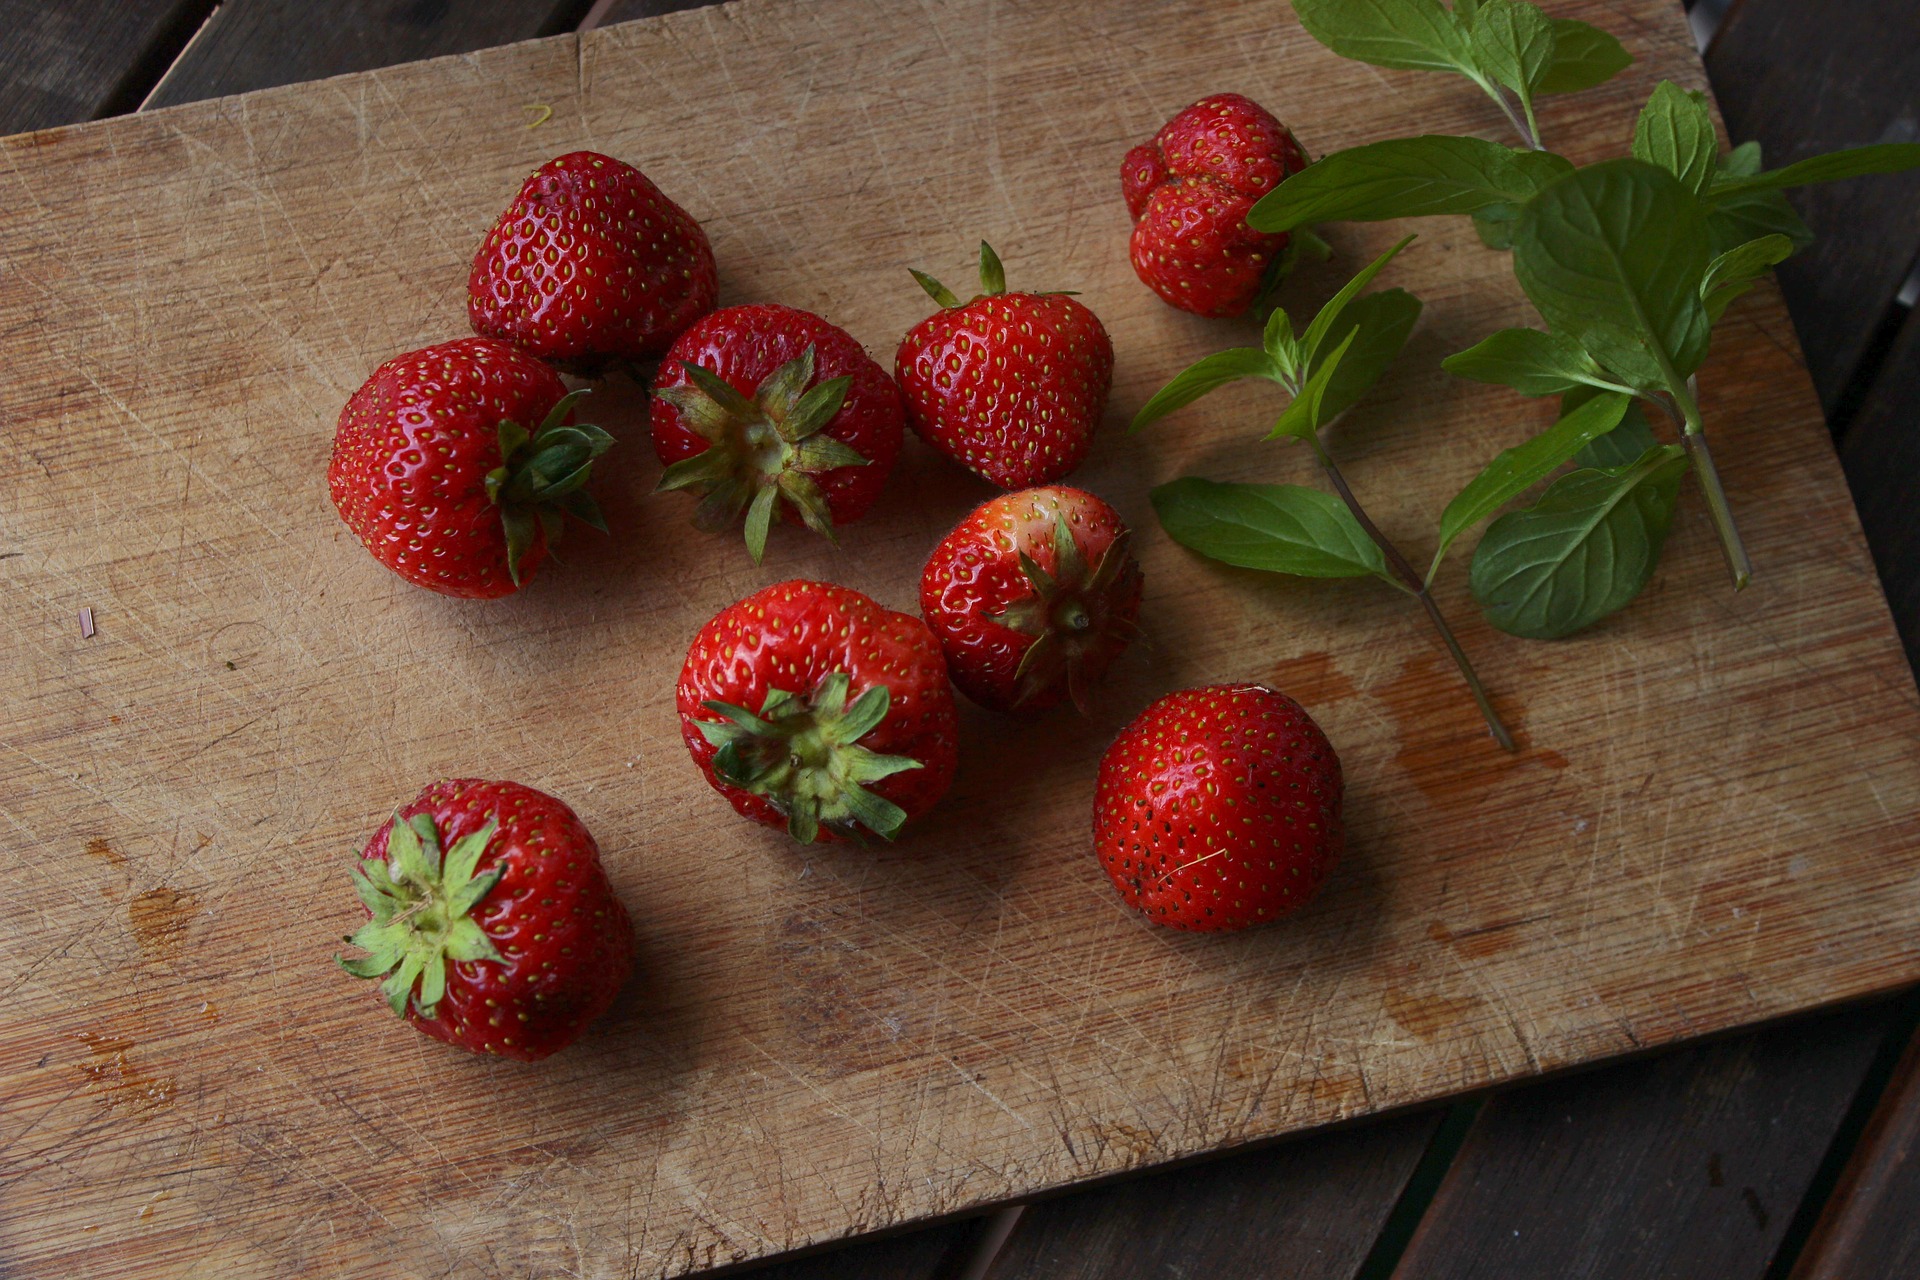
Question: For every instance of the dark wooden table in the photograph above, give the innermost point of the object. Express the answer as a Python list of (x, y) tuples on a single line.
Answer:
[(1787, 1151)]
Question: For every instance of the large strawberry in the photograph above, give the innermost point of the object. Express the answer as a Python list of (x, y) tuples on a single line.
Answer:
[(1219, 808), (494, 927), (591, 266), (1189, 190), (809, 706), (1009, 385), (454, 464), (763, 408), (1033, 596)]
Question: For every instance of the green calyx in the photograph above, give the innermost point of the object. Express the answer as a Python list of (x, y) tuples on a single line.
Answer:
[(764, 452), (1068, 613), (993, 282), (540, 476), (801, 754), (422, 907)]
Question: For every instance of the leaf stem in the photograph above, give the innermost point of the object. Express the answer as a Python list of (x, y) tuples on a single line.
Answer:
[(1528, 130), (1411, 579), (1693, 436)]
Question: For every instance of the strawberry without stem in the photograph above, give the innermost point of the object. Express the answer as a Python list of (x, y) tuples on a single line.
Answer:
[(1009, 385), (809, 706), (1033, 596), (493, 925), (1219, 808), (454, 464), (764, 407)]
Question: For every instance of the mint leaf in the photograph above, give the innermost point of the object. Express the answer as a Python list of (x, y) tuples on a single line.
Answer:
[(1405, 178), (1741, 162), (1612, 256), (1855, 162), (1278, 341), (1206, 375), (1518, 469), (1633, 437), (1329, 314), (1380, 324), (1413, 35), (1513, 42), (1582, 552), (1736, 271), (1675, 131), (1583, 56), (1530, 361), (1494, 225), (1282, 528), (1303, 417)]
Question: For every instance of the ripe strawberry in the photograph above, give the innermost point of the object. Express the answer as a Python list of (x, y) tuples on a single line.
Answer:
[(508, 942), (809, 706), (763, 407), (1010, 385), (1219, 808), (590, 266), (1033, 596), (437, 471), (1189, 190)]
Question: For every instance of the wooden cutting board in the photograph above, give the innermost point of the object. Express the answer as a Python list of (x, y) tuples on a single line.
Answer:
[(1713, 822)]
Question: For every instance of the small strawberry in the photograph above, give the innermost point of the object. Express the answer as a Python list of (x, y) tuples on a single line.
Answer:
[(591, 266), (1033, 596), (1219, 808), (438, 472), (763, 407), (1009, 385), (1189, 191), (809, 706), (494, 927)]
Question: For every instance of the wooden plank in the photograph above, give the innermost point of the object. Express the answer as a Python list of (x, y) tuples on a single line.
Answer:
[(1304, 1210), (1807, 78), (630, 10), (81, 59), (931, 1253), (258, 44), (836, 1042), (1881, 455), (1690, 1163)]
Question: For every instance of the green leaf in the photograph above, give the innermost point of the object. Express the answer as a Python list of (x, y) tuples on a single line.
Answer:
[(1612, 256), (1675, 131), (759, 520), (1738, 269), (1322, 325), (1530, 361), (1620, 446), (1741, 162), (1377, 326), (1278, 341), (1854, 162), (1308, 410), (1514, 43), (1204, 375), (1404, 178), (1518, 469), (935, 290), (993, 276), (1583, 56), (1582, 552), (1282, 528), (1494, 225), (1414, 35)]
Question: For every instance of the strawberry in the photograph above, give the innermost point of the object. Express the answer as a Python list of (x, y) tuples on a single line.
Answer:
[(1009, 385), (809, 706), (1033, 596), (591, 266), (1219, 808), (494, 927), (763, 407), (437, 472), (1189, 190)]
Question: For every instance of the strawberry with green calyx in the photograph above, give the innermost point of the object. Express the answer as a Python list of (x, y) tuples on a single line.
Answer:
[(1033, 596), (764, 409)]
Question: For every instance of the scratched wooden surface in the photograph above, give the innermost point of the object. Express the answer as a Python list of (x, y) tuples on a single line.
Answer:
[(1712, 823)]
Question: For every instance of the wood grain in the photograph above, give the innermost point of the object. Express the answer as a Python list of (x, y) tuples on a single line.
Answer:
[(85, 58), (1881, 454), (1712, 826)]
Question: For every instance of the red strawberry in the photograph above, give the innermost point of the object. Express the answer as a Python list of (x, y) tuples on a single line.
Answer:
[(453, 464), (809, 706), (590, 265), (1189, 191), (1033, 596), (493, 924), (763, 407), (1219, 808), (1010, 385)]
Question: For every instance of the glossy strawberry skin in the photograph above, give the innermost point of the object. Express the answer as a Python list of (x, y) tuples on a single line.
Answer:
[(1011, 386), (591, 265), (411, 455), (744, 345), (1219, 808), (974, 577), (565, 940), (793, 635), (1189, 190)]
